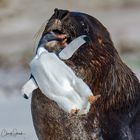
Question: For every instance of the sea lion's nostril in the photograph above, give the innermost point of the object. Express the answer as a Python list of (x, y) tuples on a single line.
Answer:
[(60, 14)]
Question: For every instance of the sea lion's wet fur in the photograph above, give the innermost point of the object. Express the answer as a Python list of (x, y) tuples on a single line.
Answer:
[(99, 65)]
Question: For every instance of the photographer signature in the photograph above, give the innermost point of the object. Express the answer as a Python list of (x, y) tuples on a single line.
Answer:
[(14, 132)]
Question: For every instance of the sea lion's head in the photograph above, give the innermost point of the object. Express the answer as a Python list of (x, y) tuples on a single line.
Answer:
[(97, 61), (66, 26), (95, 56)]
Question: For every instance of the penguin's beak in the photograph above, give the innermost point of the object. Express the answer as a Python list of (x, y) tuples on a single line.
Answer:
[(53, 41)]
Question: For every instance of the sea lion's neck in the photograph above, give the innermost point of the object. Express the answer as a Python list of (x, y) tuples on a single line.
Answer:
[(118, 86)]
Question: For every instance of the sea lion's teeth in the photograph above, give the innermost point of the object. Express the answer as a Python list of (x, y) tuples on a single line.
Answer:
[(65, 40)]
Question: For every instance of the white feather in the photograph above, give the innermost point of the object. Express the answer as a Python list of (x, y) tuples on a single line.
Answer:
[(72, 47), (29, 87), (59, 83)]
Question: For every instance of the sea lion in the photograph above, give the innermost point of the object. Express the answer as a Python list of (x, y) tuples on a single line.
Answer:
[(117, 112)]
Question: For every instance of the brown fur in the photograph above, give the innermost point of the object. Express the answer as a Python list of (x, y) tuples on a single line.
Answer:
[(111, 78), (99, 65)]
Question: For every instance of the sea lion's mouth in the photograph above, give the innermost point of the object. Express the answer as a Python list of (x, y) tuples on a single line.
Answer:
[(56, 40), (62, 37)]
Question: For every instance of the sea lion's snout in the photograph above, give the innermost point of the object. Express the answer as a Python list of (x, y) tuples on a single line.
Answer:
[(56, 33), (54, 41), (63, 27)]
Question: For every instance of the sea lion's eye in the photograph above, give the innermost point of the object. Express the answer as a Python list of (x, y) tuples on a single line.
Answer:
[(85, 27), (82, 23)]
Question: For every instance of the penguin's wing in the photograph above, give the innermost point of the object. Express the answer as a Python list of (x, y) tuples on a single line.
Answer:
[(72, 47)]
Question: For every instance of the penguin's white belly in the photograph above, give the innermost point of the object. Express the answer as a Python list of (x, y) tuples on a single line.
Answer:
[(59, 83)]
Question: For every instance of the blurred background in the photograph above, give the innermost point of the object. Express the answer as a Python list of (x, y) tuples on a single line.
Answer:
[(20, 20)]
